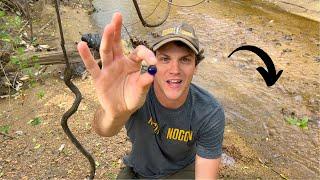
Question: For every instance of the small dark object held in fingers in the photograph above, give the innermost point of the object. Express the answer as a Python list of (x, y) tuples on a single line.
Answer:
[(152, 69)]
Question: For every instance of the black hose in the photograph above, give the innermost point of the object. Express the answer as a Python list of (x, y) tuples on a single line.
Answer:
[(75, 105), (144, 23)]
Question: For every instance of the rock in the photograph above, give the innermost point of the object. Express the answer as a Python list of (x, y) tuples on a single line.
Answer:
[(317, 58), (20, 133), (272, 132), (61, 147), (286, 50), (227, 160), (298, 98), (44, 46), (311, 101), (288, 37)]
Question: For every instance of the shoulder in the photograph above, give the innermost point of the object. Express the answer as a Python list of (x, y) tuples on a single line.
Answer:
[(203, 99), (206, 108)]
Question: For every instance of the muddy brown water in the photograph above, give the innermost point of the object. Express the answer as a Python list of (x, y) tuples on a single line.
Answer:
[(255, 111)]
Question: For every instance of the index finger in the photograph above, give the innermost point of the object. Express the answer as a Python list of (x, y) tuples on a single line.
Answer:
[(88, 59)]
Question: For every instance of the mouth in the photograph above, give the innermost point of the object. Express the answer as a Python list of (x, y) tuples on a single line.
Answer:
[(174, 83)]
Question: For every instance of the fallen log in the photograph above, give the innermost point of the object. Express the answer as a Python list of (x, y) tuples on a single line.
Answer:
[(48, 58)]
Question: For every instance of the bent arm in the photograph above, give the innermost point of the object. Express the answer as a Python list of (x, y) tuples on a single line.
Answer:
[(206, 168)]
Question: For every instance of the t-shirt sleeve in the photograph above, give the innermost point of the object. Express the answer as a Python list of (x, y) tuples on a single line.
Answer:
[(210, 135)]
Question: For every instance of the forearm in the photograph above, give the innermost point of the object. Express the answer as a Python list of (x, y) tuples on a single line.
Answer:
[(106, 125), (206, 168)]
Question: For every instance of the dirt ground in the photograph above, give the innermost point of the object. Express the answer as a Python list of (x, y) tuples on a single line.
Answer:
[(35, 152)]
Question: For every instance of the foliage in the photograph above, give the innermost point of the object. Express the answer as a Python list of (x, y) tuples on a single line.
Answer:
[(111, 175), (9, 30), (35, 121), (11, 40), (40, 94), (5, 129), (302, 123)]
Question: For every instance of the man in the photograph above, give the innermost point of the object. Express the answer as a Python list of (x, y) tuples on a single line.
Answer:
[(176, 128)]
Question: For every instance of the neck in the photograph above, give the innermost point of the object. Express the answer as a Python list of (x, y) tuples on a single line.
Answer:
[(169, 103)]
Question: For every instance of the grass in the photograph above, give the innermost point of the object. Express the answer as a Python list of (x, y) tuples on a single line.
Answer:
[(5, 129), (300, 122), (35, 121), (111, 175), (40, 94)]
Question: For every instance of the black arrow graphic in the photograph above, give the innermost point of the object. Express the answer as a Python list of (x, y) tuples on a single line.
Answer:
[(270, 76)]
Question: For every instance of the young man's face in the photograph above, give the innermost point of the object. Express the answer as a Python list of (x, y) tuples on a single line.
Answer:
[(176, 66)]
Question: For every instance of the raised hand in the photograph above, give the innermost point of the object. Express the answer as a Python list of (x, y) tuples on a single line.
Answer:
[(120, 87)]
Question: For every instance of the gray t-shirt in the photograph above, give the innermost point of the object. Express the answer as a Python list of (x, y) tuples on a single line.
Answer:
[(165, 141)]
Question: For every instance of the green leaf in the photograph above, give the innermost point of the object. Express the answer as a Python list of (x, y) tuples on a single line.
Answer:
[(35, 121), (33, 83), (304, 122), (2, 13), (17, 21), (20, 50), (40, 94), (4, 36), (5, 129), (35, 58), (14, 60), (36, 66), (292, 120)]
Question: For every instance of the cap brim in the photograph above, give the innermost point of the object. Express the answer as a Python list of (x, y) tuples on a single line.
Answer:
[(165, 41)]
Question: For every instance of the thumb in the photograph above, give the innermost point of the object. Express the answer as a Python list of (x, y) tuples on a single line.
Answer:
[(144, 81)]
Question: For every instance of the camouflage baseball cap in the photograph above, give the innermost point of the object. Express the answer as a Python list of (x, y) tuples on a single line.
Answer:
[(183, 32)]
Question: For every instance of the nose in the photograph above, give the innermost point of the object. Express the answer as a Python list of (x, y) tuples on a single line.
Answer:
[(174, 67)]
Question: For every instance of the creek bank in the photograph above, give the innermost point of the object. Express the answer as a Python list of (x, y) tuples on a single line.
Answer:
[(233, 84)]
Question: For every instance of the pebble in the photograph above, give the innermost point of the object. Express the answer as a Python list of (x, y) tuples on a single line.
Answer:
[(227, 160), (298, 98), (61, 147), (20, 133), (288, 37), (287, 50)]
